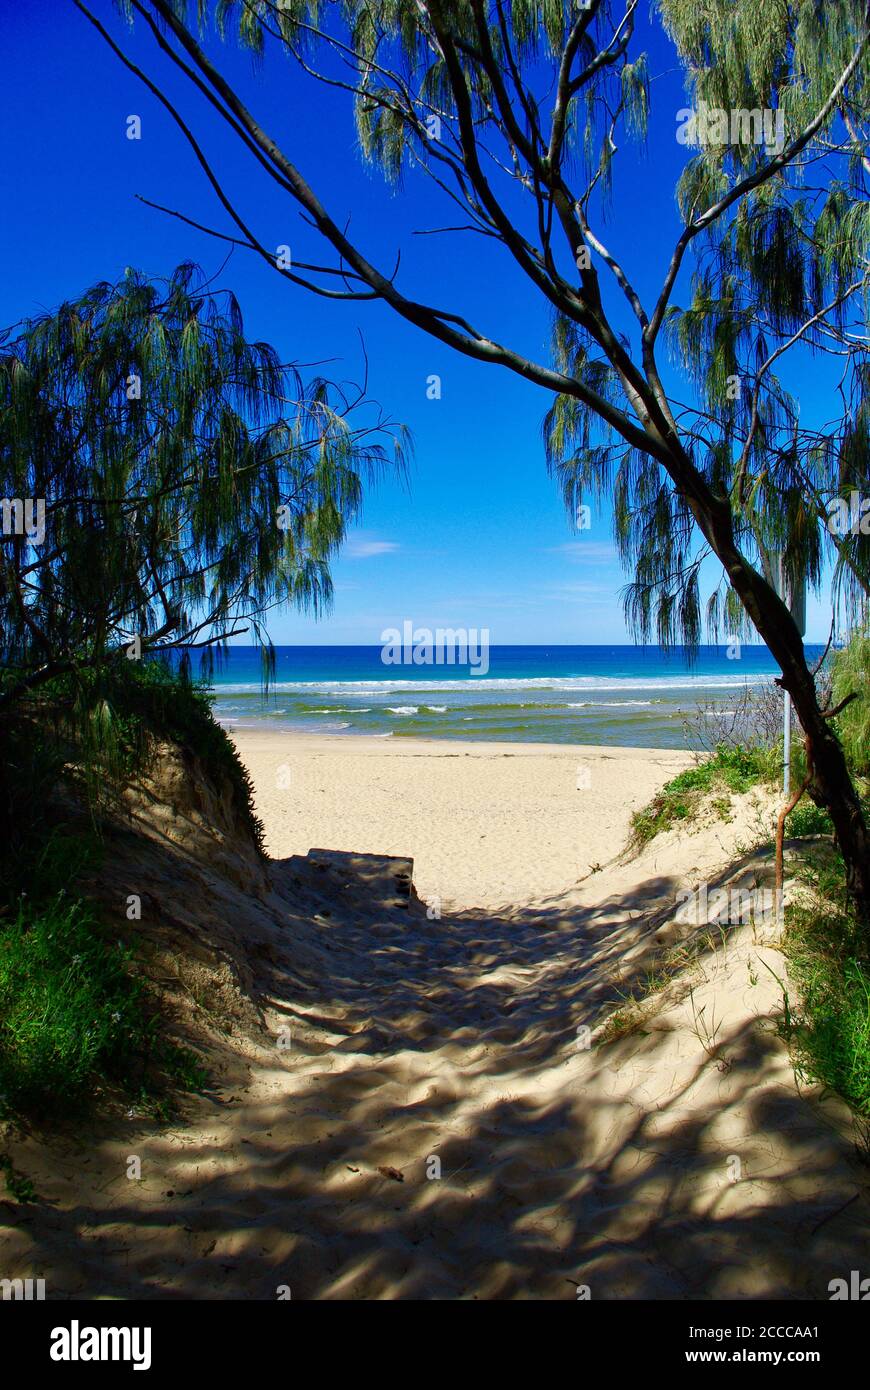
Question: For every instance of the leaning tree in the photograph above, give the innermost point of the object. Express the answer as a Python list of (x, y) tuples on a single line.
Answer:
[(165, 481), (514, 112)]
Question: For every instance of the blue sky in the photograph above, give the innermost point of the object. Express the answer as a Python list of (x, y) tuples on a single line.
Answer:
[(480, 537)]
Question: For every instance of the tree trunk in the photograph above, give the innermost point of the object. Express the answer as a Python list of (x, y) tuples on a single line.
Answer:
[(830, 784), (831, 787)]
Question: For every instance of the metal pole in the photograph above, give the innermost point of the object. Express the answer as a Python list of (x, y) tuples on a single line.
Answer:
[(786, 745)]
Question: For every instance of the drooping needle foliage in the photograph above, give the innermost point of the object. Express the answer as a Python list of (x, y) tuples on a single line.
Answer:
[(166, 481)]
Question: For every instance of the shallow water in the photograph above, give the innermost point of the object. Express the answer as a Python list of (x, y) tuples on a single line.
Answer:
[(630, 696)]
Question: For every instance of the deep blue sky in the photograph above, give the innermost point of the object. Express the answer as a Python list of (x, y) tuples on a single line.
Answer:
[(481, 537)]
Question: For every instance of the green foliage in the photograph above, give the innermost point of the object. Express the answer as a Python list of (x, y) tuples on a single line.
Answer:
[(73, 1014), (30, 771), (729, 769), (746, 52), (808, 819), (786, 265), (826, 952), (191, 482), (850, 675), (141, 703)]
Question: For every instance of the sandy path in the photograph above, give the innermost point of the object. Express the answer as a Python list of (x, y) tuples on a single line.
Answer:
[(518, 1161)]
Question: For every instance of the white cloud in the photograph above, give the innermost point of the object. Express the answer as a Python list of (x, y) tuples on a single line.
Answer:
[(591, 594), (586, 552), (360, 549)]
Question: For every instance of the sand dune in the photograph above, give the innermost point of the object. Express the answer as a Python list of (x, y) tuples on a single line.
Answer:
[(426, 1114)]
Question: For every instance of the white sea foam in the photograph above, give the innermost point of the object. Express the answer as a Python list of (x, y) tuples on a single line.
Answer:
[(610, 704), (525, 684), (339, 709)]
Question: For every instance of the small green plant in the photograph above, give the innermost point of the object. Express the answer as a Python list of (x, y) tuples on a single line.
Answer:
[(730, 769), (654, 979), (17, 1185), (808, 819), (624, 1021), (706, 1029)]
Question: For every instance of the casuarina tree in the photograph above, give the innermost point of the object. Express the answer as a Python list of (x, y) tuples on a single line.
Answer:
[(514, 112), (166, 482)]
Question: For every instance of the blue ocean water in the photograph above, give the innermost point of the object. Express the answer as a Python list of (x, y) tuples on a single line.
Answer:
[(633, 696)]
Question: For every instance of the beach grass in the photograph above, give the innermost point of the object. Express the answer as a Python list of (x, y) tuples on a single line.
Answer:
[(728, 770), (829, 1025), (75, 1018)]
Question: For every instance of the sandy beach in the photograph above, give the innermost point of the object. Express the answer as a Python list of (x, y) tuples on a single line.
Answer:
[(488, 825)]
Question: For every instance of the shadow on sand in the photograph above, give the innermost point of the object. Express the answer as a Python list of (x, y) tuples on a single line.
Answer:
[(432, 1126)]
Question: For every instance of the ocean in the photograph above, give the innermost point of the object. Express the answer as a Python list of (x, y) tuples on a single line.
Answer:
[(637, 697)]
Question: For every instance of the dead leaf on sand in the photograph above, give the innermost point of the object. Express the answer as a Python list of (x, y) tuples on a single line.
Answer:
[(393, 1173)]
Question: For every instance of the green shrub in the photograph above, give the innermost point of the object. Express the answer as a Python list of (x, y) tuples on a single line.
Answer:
[(808, 819), (829, 1029), (73, 1014), (732, 769), (18, 1185)]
